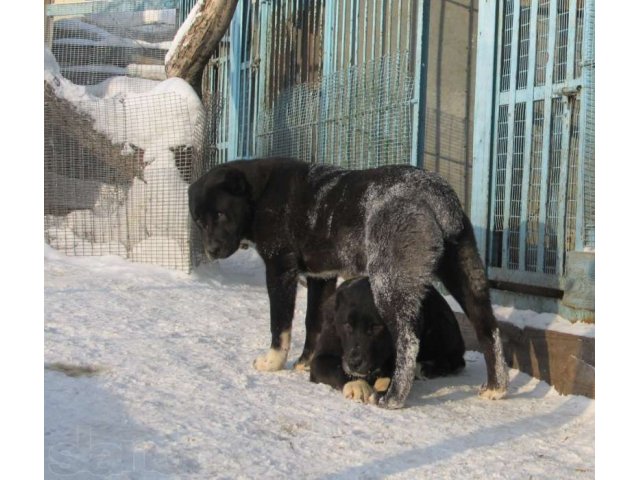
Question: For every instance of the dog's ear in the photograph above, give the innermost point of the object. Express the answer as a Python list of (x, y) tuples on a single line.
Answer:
[(236, 183)]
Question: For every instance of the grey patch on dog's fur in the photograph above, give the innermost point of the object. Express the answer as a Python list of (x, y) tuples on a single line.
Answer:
[(73, 370), (502, 374), (327, 177)]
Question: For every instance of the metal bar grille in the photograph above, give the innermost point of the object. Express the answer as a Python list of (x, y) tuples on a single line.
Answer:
[(516, 186), (572, 182), (540, 188), (119, 155), (535, 176), (562, 41), (502, 138), (542, 41), (553, 187), (523, 49), (586, 220), (358, 112), (506, 46)]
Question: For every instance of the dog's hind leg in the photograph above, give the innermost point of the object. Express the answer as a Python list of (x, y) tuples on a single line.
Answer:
[(463, 274), (282, 282), (318, 291), (403, 253)]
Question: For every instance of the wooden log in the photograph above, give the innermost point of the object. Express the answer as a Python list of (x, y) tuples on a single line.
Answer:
[(188, 57)]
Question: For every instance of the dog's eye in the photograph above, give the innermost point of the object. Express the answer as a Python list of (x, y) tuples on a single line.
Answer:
[(220, 216)]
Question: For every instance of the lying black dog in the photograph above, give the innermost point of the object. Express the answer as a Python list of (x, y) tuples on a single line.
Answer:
[(401, 226), (355, 352)]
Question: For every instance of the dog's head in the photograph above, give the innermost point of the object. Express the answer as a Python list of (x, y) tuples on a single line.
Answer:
[(220, 205), (366, 342)]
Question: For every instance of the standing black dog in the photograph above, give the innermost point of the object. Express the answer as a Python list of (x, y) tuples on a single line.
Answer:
[(355, 351), (401, 226)]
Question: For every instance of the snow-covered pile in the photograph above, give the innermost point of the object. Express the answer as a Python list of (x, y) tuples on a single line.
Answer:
[(147, 221), (148, 374)]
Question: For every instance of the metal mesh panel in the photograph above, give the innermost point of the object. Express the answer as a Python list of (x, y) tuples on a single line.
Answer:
[(367, 118), (290, 127), (562, 41), (118, 157), (542, 41), (106, 195), (548, 118), (535, 179), (215, 92), (507, 35), (516, 185), (294, 45), (553, 187), (364, 117), (94, 47), (577, 67), (572, 181), (500, 181), (523, 49), (589, 134)]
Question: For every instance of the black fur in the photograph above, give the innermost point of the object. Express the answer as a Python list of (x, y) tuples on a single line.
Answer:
[(354, 342), (401, 226)]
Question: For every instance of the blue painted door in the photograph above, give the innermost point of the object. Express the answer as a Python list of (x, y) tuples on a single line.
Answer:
[(536, 173)]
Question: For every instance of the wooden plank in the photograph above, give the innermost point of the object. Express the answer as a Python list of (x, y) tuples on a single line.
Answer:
[(564, 361)]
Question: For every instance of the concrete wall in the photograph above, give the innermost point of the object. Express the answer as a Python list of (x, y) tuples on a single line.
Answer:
[(450, 84)]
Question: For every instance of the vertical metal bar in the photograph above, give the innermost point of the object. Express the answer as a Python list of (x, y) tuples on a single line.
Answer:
[(383, 28), (513, 76), (399, 26), (571, 39), (355, 22), (419, 100), (264, 13), (500, 132), (235, 63), (548, 94), (328, 49), (375, 38), (584, 107), (489, 40), (526, 178), (365, 33), (341, 47), (562, 188)]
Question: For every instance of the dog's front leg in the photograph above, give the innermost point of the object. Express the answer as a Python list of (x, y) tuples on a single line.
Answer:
[(407, 344), (282, 277)]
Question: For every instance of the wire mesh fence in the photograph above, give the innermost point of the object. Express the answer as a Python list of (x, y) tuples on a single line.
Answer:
[(120, 152), (358, 117), (543, 175)]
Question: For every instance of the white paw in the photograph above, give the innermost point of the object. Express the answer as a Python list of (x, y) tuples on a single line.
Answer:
[(358, 390), (272, 361), (492, 393)]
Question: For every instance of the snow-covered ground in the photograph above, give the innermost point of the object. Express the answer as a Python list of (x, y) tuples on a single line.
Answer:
[(167, 390)]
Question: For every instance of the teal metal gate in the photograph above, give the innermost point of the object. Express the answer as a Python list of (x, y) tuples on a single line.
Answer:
[(533, 191), (335, 81)]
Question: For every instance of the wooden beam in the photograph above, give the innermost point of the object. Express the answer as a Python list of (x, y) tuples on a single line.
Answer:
[(565, 361)]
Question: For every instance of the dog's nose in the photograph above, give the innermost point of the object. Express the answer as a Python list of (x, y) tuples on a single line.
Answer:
[(355, 359)]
